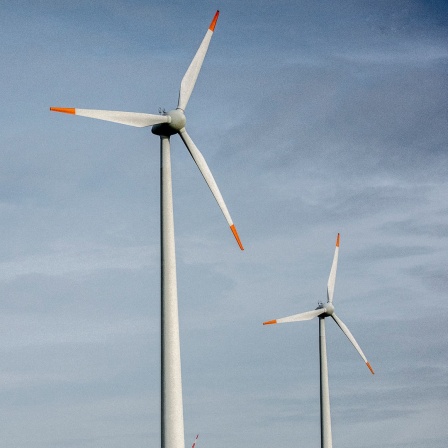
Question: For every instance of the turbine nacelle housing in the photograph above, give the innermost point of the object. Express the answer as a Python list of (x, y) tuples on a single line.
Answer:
[(176, 123)]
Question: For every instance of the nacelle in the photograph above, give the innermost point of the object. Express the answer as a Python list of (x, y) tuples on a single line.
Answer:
[(177, 122)]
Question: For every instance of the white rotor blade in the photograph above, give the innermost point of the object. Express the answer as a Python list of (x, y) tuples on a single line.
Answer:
[(332, 277), (191, 75), (350, 337), (205, 171), (308, 315), (138, 120)]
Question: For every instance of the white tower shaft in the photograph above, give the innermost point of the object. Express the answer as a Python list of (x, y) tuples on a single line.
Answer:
[(325, 416), (172, 420)]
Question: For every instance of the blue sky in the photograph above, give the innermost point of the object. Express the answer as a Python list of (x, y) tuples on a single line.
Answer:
[(315, 118)]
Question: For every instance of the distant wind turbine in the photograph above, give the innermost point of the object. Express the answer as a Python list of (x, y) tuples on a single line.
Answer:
[(323, 311), (165, 125)]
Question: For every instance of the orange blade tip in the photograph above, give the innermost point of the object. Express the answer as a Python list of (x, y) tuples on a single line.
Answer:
[(337, 240), (65, 110), (235, 234), (213, 24), (270, 322), (370, 368)]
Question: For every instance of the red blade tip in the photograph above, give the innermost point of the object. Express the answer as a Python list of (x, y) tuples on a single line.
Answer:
[(370, 368), (337, 240), (213, 24), (65, 110), (270, 322), (235, 234)]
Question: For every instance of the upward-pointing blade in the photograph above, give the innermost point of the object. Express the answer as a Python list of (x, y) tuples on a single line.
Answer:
[(308, 315), (350, 337), (138, 120), (208, 176), (332, 277), (191, 75)]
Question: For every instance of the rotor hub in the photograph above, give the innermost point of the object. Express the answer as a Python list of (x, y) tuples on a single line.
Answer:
[(177, 122), (329, 309)]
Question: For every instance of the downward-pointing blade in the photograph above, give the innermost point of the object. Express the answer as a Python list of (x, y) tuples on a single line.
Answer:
[(138, 120), (191, 75), (350, 337), (332, 277), (205, 171), (308, 315)]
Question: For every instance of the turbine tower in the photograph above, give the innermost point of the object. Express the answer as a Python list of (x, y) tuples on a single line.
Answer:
[(166, 125), (323, 311)]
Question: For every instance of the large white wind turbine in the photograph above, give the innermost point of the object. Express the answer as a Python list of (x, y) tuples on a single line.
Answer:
[(165, 125), (323, 311)]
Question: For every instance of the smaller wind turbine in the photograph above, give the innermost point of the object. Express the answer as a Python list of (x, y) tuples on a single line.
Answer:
[(323, 311)]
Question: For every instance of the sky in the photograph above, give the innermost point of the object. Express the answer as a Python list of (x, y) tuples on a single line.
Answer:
[(315, 117)]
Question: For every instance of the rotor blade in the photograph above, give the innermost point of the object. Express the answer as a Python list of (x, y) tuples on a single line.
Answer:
[(350, 337), (138, 120), (308, 315), (205, 171), (195, 441), (191, 75), (332, 277)]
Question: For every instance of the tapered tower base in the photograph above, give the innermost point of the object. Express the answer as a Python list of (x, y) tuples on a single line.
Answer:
[(325, 417), (172, 420)]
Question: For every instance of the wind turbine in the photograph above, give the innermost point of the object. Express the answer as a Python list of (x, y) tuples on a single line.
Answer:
[(166, 125), (323, 311)]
